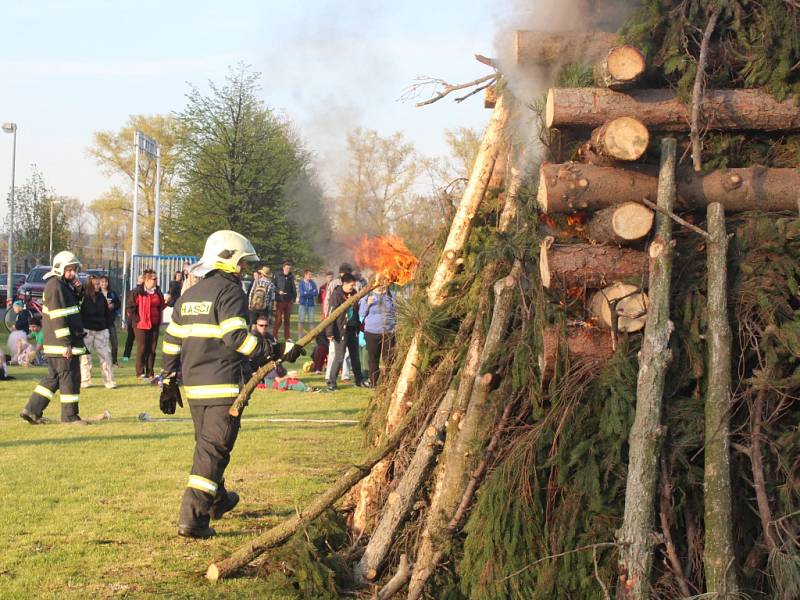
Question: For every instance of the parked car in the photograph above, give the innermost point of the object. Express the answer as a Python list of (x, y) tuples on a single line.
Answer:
[(18, 278), (34, 284)]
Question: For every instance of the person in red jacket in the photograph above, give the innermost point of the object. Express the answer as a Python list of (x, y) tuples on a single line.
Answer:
[(146, 312)]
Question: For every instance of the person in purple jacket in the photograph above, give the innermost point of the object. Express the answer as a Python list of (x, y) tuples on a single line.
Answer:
[(379, 315)]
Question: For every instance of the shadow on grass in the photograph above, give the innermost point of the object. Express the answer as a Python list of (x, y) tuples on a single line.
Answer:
[(95, 438)]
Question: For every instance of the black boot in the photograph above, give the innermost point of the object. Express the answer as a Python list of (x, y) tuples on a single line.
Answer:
[(196, 532), (30, 417), (223, 504)]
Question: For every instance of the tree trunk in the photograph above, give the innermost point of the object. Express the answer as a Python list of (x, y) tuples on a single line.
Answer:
[(583, 344), (283, 531), (718, 555), (623, 67), (401, 499), (636, 533), (547, 47), (573, 186), (621, 307), (661, 110), (588, 266), (461, 451), (628, 222), (622, 138)]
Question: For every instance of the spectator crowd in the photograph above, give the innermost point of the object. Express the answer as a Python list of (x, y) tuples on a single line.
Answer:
[(351, 348)]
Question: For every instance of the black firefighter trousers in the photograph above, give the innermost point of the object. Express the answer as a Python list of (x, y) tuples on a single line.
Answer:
[(215, 433), (63, 375)]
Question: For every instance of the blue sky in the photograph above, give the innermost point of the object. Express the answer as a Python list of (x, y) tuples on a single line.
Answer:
[(68, 69)]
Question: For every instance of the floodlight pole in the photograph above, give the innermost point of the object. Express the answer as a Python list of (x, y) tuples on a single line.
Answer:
[(11, 128), (157, 220), (135, 224)]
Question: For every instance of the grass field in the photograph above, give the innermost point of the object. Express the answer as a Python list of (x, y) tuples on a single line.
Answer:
[(91, 512)]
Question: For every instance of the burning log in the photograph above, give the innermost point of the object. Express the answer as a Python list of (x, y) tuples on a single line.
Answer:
[(583, 344), (621, 224), (589, 266), (620, 306), (622, 68), (573, 186), (622, 138), (545, 47), (661, 110), (635, 536)]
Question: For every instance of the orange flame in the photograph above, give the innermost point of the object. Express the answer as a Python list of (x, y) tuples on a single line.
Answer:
[(388, 257)]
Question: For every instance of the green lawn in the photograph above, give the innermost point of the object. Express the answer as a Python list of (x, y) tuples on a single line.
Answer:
[(91, 512)]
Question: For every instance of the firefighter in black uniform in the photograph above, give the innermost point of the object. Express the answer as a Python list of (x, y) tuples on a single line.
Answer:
[(62, 344), (208, 342)]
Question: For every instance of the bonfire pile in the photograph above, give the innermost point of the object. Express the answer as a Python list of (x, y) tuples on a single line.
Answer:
[(558, 421)]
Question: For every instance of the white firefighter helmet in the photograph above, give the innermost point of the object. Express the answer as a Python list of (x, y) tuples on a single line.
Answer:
[(61, 261), (224, 249)]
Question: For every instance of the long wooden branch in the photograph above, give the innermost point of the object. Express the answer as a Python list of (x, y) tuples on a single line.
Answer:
[(449, 88), (635, 535), (283, 531), (718, 553), (697, 91)]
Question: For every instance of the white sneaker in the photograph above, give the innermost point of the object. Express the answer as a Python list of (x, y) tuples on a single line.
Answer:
[(86, 385), (111, 386)]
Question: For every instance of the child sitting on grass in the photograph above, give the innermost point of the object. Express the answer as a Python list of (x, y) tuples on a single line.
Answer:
[(281, 379)]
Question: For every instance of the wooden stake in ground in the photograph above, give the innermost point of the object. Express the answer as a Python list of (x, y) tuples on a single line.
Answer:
[(636, 534), (623, 224), (283, 531), (718, 554), (570, 187), (661, 110)]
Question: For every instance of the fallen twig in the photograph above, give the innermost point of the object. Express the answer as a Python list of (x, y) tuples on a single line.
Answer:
[(677, 219), (697, 92)]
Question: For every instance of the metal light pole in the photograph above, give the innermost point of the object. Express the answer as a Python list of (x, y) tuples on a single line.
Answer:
[(11, 128), (135, 226), (157, 220), (51, 230)]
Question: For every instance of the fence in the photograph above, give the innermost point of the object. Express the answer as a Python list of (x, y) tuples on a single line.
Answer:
[(164, 266)]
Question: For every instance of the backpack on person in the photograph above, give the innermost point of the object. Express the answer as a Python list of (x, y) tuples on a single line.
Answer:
[(259, 300)]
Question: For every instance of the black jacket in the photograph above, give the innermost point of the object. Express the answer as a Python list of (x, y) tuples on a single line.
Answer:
[(208, 340), (61, 318), (285, 284), (94, 312), (347, 320)]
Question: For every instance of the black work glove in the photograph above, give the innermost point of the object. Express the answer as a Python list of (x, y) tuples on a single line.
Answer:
[(292, 353), (170, 395)]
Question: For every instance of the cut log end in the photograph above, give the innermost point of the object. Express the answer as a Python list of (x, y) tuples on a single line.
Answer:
[(632, 221), (549, 108), (629, 307), (623, 138), (212, 574), (625, 64)]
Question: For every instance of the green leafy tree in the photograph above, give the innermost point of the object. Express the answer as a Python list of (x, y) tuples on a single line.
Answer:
[(241, 167), (32, 205)]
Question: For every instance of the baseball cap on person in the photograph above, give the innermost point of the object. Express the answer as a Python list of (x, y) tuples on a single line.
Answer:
[(19, 303), (265, 271)]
